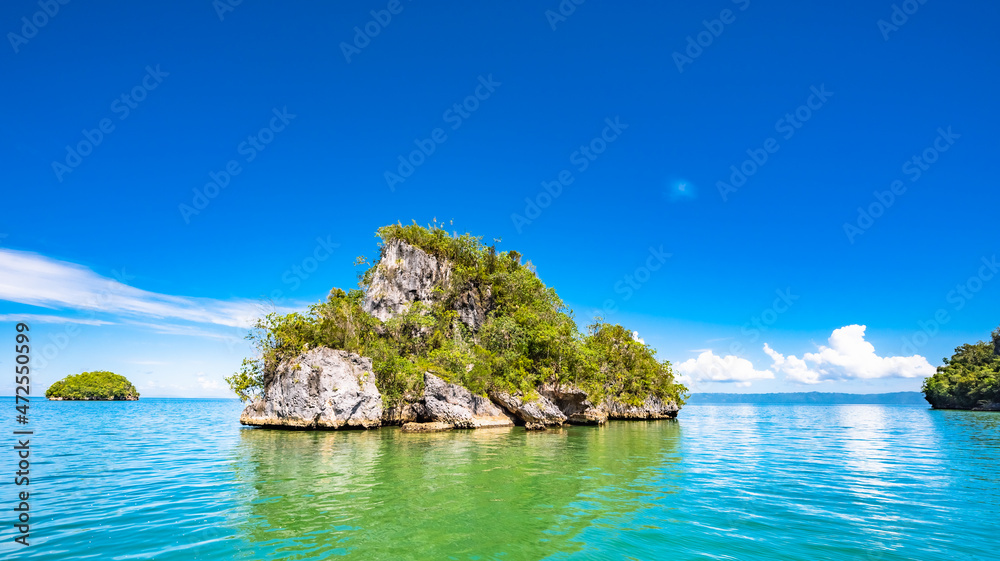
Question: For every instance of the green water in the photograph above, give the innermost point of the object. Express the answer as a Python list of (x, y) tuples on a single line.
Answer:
[(179, 479)]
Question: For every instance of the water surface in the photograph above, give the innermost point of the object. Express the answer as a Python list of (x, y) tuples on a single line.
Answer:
[(180, 479)]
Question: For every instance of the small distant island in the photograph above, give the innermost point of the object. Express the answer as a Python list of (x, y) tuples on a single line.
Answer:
[(93, 386), (970, 379), (447, 332)]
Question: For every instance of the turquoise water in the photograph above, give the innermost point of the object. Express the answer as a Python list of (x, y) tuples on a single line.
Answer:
[(179, 479)]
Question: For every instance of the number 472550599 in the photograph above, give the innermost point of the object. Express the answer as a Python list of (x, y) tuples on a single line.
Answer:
[(22, 378)]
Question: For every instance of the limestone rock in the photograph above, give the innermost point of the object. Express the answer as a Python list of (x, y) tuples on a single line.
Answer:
[(652, 408), (406, 274), (574, 404), (451, 403), (427, 427), (539, 410), (534, 426), (400, 414), (319, 389)]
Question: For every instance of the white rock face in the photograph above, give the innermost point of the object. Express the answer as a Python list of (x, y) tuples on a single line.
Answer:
[(407, 274), (321, 388), (451, 403), (539, 411), (652, 408), (575, 404)]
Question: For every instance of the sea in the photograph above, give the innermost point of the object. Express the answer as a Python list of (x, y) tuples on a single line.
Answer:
[(180, 479)]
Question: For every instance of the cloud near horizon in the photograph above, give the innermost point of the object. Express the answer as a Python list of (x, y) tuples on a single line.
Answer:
[(848, 357), (709, 367), (36, 280)]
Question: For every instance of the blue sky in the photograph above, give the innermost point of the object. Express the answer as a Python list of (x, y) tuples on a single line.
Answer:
[(170, 166)]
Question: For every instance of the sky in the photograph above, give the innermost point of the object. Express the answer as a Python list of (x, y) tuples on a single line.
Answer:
[(776, 196)]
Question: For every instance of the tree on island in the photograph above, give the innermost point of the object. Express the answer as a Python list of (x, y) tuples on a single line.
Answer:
[(969, 379), (527, 337), (96, 386)]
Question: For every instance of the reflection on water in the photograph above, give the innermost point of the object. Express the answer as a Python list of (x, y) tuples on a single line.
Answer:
[(180, 480), (490, 493)]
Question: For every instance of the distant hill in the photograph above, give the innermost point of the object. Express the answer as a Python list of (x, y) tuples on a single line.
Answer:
[(806, 398)]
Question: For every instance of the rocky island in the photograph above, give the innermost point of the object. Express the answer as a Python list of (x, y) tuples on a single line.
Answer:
[(970, 379), (446, 332), (92, 386)]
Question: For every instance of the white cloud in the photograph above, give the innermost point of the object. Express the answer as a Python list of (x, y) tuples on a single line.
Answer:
[(39, 318), (635, 337), (29, 278), (793, 367), (208, 384), (234, 335), (849, 356), (709, 367)]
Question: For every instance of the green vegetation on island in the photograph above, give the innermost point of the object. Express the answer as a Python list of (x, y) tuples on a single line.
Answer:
[(527, 336), (97, 386), (970, 379)]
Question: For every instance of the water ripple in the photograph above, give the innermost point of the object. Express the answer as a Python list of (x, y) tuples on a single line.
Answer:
[(179, 479)]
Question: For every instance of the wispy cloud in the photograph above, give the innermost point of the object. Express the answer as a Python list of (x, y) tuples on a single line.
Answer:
[(39, 318), (207, 383), (234, 334), (36, 280)]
